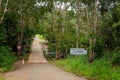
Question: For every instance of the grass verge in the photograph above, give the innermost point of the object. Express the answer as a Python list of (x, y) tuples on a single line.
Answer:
[(98, 70), (1, 78)]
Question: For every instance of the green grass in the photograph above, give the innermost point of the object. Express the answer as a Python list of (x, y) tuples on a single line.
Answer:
[(98, 70), (1, 78)]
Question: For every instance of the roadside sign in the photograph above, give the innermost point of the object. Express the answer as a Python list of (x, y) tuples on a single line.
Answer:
[(78, 51)]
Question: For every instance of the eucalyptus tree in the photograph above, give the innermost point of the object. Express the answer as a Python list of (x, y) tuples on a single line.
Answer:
[(85, 23), (3, 9), (77, 7), (96, 12), (18, 20), (92, 19), (88, 18), (22, 10), (59, 26)]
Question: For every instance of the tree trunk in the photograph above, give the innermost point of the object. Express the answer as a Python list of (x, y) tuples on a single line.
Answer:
[(20, 36), (93, 28), (78, 25), (5, 10), (0, 4), (77, 34), (91, 57)]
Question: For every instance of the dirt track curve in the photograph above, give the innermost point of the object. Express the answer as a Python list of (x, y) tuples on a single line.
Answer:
[(37, 68)]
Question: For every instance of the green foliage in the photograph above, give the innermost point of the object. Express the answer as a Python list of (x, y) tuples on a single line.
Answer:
[(49, 56), (3, 36), (1, 78), (41, 37), (116, 57), (99, 48), (7, 58), (109, 33), (116, 25), (59, 30), (27, 40), (100, 69), (13, 31)]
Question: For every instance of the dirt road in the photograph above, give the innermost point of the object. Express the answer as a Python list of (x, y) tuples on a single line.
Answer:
[(37, 68)]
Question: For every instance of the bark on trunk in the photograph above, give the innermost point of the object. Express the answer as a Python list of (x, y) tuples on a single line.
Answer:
[(91, 57), (20, 36), (5, 10), (78, 24), (77, 34), (92, 41)]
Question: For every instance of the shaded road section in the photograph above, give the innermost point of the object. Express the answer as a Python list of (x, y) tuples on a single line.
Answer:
[(37, 68), (37, 54)]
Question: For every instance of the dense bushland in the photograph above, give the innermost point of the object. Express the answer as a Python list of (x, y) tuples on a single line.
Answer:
[(7, 58), (19, 23), (93, 25), (16, 31)]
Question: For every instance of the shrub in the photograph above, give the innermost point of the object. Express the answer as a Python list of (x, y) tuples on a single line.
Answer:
[(116, 57), (49, 56), (1, 78), (6, 58)]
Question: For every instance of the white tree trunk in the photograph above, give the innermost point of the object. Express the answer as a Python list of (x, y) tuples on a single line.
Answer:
[(5, 10)]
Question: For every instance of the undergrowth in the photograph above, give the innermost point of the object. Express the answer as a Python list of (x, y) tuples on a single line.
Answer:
[(7, 58), (100, 69), (1, 78)]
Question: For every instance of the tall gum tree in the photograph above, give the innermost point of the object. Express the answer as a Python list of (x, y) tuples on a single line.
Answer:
[(92, 19), (4, 9)]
